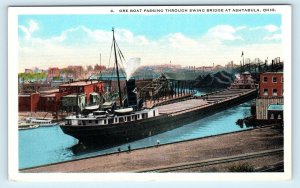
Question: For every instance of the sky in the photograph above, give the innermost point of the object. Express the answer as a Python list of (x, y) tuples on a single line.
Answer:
[(182, 39)]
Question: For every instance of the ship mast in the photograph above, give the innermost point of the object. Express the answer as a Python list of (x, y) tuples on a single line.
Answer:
[(100, 65), (117, 68)]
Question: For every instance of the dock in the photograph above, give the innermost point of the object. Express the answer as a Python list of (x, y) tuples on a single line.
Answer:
[(259, 147)]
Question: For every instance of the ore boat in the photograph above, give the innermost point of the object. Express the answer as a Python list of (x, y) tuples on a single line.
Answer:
[(111, 125)]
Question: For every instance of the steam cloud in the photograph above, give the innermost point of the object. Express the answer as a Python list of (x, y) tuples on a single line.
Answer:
[(237, 76), (131, 65)]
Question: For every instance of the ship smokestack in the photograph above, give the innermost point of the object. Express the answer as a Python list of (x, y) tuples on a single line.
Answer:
[(131, 95)]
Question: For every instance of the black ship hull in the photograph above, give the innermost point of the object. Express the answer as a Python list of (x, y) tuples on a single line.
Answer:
[(104, 135)]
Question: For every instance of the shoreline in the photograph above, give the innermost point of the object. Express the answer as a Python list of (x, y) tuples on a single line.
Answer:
[(80, 165)]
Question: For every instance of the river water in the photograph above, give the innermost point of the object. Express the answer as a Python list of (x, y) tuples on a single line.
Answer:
[(46, 145)]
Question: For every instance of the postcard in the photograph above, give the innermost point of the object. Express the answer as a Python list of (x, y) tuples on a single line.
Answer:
[(137, 93)]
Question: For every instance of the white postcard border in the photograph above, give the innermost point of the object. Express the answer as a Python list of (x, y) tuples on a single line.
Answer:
[(14, 174)]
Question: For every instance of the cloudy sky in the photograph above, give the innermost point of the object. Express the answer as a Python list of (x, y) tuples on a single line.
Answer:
[(192, 39)]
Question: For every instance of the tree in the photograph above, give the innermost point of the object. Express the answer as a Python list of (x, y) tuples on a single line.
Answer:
[(32, 76)]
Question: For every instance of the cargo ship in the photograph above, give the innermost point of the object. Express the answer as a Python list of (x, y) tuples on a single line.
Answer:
[(111, 125)]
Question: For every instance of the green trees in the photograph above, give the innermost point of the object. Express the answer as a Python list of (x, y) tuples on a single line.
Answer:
[(32, 76)]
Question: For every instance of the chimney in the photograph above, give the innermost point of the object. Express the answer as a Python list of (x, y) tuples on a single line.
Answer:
[(131, 96)]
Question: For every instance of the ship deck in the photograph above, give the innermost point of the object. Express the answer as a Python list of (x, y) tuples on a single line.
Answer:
[(202, 101), (181, 106)]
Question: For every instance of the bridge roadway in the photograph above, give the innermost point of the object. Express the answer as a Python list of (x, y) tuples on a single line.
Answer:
[(259, 140)]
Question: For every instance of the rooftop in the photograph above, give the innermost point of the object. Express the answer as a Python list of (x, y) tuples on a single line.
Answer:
[(74, 95), (50, 91), (272, 73), (49, 95), (275, 107), (81, 83), (24, 95)]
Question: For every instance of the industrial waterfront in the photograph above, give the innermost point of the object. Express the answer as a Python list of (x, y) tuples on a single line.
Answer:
[(46, 145), (80, 121), (76, 115)]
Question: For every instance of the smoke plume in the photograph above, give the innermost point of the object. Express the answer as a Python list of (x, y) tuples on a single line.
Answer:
[(131, 65)]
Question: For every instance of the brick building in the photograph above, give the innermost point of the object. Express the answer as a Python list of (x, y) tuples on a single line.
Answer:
[(53, 72), (82, 87), (50, 101), (99, 68), (28, 102), (269, 105), (33, 87), (271, 84), (77, 71)]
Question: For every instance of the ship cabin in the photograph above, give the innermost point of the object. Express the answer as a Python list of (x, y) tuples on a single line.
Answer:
[(104, 118)]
